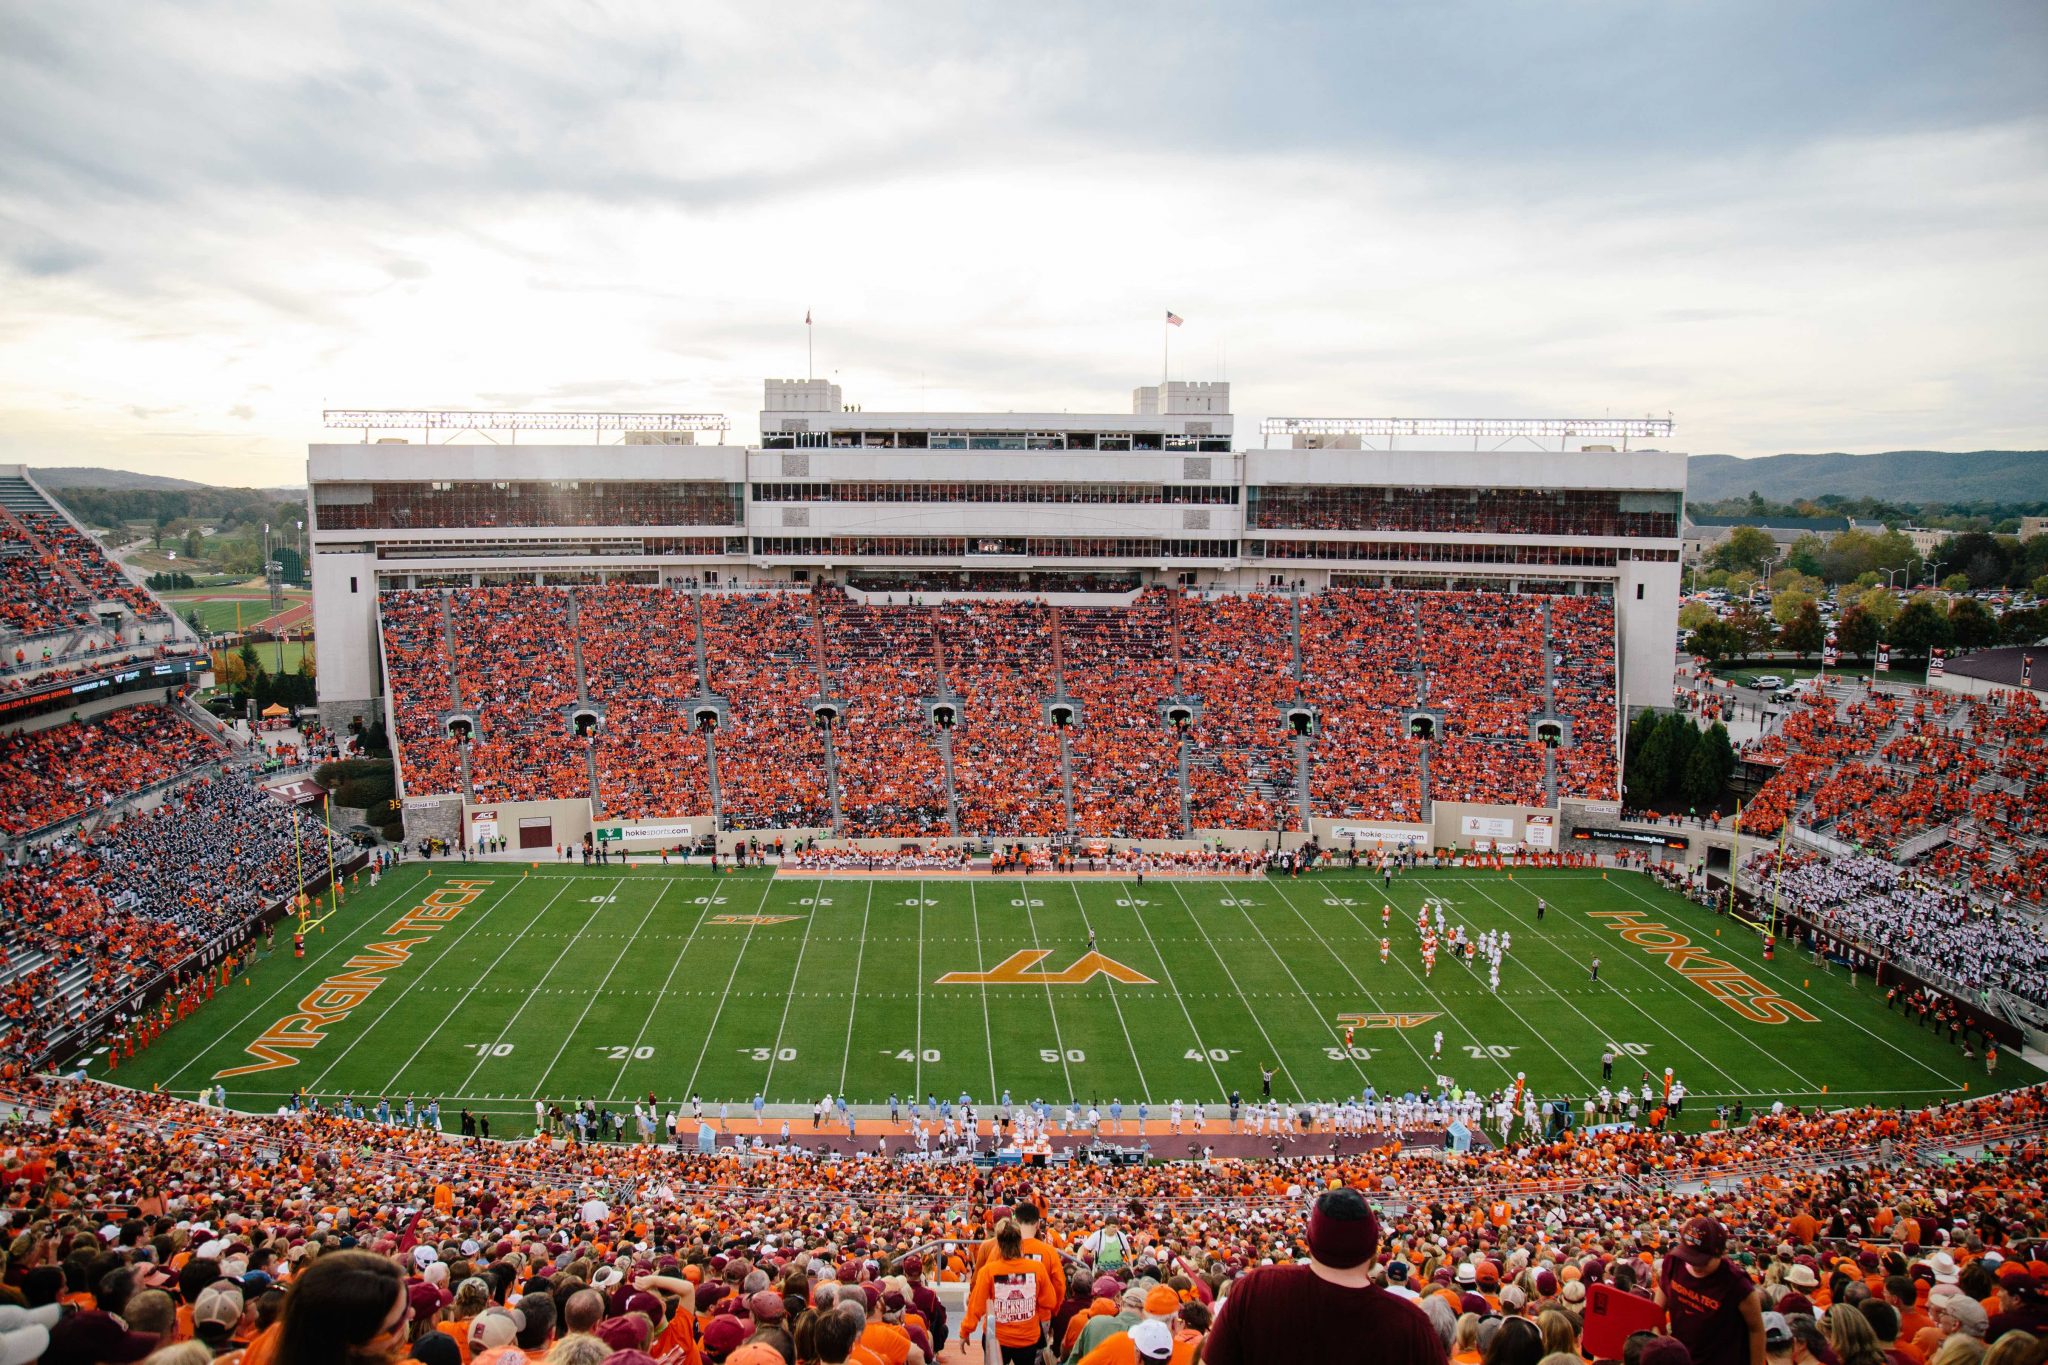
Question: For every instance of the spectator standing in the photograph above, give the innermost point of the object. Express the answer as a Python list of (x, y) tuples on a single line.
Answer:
[(1712, 1306)]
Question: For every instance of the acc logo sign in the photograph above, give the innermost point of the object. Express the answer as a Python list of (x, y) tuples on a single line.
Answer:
[(1015, 970), (751, 919), (1385, 1020)]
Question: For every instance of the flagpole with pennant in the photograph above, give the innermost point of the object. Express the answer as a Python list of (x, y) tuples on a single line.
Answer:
[(1173, 320)]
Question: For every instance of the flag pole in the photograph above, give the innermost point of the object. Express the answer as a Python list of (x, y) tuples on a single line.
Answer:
[(809, 369), (1165, 360)]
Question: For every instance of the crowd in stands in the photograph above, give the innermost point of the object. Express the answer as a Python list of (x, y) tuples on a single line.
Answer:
[(139, 1205), (1119, 667), (1367, 652), (1896, 914), (1367, 658), (1484, 656), (640, 663), (88, 917), (67, 770), (1878, 766), (52, 577), (1006, 756), (771, 757)]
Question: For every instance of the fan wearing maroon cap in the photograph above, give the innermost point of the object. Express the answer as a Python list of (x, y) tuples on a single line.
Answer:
[(1712, 1306), (1329, 1310)]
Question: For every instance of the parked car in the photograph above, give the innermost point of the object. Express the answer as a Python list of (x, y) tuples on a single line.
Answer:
[(1769, 682)]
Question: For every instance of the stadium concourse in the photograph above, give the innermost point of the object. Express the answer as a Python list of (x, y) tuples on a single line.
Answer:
[(484, 679)]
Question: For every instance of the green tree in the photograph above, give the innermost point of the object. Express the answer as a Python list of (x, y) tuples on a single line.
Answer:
[(1857, 632), (1647, 771), (1747, 547), (194, 543), (1788, 604), (1715, 641), (252, 662), (1701, 785), (1753, 625), (1921, 628), (1985, 558), (1881, 604), (1971, 624), (2024, 627), (1956, 582), (1693, 615), (1806, 555), (1804, 634), (1684, 742)]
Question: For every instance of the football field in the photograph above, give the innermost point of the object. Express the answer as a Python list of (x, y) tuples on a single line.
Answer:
[(488, 984)]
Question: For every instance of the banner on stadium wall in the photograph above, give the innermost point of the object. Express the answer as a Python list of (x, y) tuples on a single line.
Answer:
[(1830, 652), (483, 824), (1541, 831), (1937, 663), (1380, 834), (619, 833), (1884, 657), (423, 802), (1489, 826), (2026, 670)]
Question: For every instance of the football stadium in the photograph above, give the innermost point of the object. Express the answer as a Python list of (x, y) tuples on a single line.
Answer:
[(985, 885)]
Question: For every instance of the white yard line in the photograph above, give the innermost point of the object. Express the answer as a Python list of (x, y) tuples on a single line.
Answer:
[(513, 942), (860, 954), (789, 996), (1143, 1087), (1786, 981), (1444, 1009), (1024, 895), (1545, 940), (917, 1067), (410, 986), (339, 941), (1129, 895), (710, 904), (995, 1089), (592, 998), (1314, 1010), (1278, 1060), (732, 976), (1370, 998)]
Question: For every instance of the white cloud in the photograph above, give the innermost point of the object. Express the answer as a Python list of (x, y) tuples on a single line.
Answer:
[(226, 219)]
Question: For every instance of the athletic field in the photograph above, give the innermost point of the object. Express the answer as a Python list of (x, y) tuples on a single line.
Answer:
[(488, 984)]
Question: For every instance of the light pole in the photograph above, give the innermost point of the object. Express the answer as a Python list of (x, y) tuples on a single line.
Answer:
[(1934, 569), (1890, 577)]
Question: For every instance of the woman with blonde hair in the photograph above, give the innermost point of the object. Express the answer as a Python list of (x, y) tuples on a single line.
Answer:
[(1959, 1350), (1465, 1343), (2016, 1348), (1560, 1332), (1850, 1334)]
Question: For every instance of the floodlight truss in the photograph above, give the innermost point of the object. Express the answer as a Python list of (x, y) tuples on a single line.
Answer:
[(1582, 427), (429, 419)]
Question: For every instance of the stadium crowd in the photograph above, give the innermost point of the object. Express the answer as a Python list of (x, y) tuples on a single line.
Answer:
[(1893, 913), (1363, 654), (52, 577), (70, 769), (161, 1223), (89, 918)]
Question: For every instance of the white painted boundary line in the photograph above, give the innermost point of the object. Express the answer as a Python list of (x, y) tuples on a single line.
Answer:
[(860, 956), (1278, 1059), (710, 904), (606, 981), (1143, 1087), (718, 1010)]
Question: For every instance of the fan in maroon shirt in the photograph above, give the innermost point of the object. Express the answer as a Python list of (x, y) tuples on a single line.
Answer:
[(1328, 1311), (1713, 1306)]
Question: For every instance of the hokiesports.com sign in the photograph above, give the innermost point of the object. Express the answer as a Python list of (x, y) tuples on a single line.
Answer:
[(611, 834)]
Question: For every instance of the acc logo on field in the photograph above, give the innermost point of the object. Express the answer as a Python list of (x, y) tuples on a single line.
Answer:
[(751, 919), (1385, 1020), (1015, 970)]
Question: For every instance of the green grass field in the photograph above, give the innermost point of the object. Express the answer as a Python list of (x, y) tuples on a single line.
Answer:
[(558, 983)]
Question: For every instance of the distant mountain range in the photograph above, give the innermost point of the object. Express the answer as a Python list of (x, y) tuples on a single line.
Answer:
[(96, 476), (1902, 476), (1905, 476)]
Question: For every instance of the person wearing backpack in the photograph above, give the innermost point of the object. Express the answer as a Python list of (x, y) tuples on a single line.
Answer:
[(1107, 1246)]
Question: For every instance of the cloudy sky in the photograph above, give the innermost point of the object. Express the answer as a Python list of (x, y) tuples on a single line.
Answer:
[(1795, 226)]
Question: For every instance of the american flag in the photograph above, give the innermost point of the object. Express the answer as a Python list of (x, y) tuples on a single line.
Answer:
[(1173, 319), (807, 317)]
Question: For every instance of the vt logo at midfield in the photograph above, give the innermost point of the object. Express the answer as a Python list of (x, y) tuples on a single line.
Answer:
[(1016, 970)]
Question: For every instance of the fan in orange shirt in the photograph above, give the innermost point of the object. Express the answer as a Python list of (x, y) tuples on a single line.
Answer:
[(1015, 1294)]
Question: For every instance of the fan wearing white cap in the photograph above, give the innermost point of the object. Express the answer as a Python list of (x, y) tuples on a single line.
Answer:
[(25, 1332)]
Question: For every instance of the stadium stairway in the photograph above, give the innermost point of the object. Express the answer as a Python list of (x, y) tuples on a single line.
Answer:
[(455, 692), (575, 626), (1549, 705), (825, 690), (705, 693)]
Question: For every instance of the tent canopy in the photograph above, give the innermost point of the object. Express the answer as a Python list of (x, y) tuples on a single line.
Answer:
[(273, 711)]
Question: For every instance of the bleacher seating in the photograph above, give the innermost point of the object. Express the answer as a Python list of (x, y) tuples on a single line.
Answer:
[(53, 577), (1364, 657), (76, 767)]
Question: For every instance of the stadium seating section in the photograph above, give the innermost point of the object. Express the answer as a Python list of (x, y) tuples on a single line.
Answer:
[(1957, 782), (53, 578), (70, 769), (88, 915), (518, 663)]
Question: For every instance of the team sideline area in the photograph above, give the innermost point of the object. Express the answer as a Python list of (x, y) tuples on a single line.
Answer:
[(488, 985)]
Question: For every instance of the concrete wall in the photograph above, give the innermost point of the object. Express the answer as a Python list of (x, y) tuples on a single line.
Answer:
[(571, 820)]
